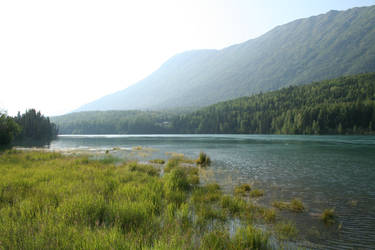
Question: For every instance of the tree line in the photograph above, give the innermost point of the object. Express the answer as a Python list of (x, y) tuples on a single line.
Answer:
[(31, 126), (341, 106), (344, 105)]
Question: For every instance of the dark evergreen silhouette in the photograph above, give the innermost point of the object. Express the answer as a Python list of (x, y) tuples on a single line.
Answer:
[(8, 130), (35, 127)]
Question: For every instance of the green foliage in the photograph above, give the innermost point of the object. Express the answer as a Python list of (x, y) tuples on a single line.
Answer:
[(176, 180), (35, 127), (52, 201), (250, 238), (114, 122), (217, 239), (8, 130), (345, 105)]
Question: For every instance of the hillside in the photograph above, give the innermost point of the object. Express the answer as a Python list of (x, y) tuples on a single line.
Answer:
[(344, 105), (322, 47)]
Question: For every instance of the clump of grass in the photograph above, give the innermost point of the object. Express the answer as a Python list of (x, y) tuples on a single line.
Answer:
[(295, 205), (203, 160), (157, 161), (171, 164), (269, 215), (233, 205), (250, 238), (176, 180), (243, 189), (217, 239), (206, 194), (256, 193), (328, 216), (286, 230)]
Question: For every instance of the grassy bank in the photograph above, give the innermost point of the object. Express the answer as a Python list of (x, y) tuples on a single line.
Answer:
[(49, 200)]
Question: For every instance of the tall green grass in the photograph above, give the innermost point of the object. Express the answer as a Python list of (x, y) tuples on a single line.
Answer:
[(52, 201)]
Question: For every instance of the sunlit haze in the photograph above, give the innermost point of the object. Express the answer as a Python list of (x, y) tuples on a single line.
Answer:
[(58, 55)]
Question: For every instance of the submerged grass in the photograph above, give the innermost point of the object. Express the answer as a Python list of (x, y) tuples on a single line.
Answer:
[(52, 201), (294, 205), (328, 216)]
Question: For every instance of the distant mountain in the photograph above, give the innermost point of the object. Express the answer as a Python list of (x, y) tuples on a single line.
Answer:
[(345, 105), (312, 49)]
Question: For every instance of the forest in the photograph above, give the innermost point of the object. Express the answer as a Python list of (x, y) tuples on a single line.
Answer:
[(341, 106), (345, 105), (27, 128)]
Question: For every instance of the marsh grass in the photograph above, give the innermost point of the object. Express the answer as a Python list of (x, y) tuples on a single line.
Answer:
[(286, 230), (54, 201), (203, 160), (242, 189), (157, 161), (294, 205), (328, 216)]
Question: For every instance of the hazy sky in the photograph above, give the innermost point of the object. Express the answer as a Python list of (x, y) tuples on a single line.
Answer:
[(58, 55)]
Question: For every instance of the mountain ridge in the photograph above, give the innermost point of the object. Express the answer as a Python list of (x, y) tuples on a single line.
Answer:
[(309, 49)]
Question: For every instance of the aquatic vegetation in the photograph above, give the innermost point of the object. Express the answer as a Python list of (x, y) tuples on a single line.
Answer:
[(256, 193), (137, 148), (157, 161), (243, 189), (250, 238), (217, 239), (51, 201), (286, 230), (171, 163), (233, 204), (203, 160), (295, 205), (269, 215), (328, 216)]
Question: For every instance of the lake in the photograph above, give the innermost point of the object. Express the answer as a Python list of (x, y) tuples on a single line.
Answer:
[(323, 171)]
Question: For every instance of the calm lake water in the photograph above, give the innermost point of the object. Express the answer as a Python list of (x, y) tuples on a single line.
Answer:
[(323, 171)]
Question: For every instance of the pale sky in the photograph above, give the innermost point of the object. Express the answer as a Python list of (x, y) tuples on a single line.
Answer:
[(58, 55)]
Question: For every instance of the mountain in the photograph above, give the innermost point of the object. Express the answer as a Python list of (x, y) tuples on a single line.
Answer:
[(345, 105), (321, 47)]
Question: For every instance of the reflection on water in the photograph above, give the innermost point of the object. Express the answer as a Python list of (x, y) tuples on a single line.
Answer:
[(323, 171)]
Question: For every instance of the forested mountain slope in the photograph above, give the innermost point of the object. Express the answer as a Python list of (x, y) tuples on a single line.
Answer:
[(344, 105), (338, 106), (322, 47)]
